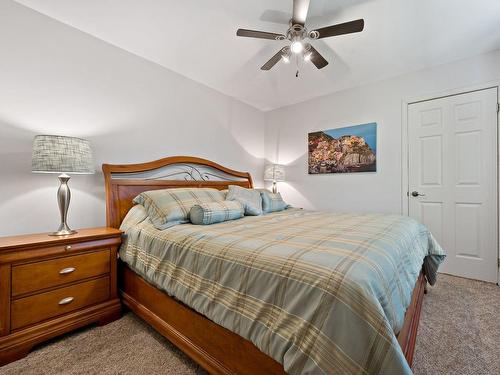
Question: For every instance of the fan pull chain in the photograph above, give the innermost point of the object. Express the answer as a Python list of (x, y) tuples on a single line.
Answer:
[(297, 63)]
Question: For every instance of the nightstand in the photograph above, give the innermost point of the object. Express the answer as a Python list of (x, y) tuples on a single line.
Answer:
[(52, 285)]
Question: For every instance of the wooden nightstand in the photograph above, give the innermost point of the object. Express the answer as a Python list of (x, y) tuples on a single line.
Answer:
[(52, 285)]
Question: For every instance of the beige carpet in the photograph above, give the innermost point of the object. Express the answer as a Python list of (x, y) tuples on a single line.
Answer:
[(459, 330), (459, 334)]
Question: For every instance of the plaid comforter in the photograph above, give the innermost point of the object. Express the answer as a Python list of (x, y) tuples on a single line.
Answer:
[(321, 293)]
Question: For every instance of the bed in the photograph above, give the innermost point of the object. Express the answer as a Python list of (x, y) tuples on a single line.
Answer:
[(173, 293)]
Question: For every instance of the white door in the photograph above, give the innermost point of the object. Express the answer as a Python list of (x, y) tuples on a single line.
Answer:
[(452, 150)]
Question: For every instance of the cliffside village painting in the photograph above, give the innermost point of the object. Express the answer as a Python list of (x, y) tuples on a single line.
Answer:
[(344, 150)]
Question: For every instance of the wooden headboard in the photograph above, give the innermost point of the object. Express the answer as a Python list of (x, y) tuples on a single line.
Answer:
[(124, 182)]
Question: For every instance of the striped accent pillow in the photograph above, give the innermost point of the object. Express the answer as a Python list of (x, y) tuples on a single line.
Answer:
[(168, 207), (216, 212), (135, 215), (249, 198), (272, 202)]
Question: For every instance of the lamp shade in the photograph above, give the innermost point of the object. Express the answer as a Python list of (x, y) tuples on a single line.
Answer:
[(59, 154), (274, 172)]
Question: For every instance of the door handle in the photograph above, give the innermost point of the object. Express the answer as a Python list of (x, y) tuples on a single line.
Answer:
[(417, 194)]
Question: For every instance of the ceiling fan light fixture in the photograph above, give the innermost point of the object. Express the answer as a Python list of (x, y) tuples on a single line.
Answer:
[(298, 35), (296, 46)]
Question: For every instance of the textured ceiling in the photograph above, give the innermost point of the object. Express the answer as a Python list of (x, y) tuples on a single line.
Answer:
[(196, 38)]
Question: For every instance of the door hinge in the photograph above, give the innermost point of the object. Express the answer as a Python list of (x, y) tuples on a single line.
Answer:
[(498, 107)]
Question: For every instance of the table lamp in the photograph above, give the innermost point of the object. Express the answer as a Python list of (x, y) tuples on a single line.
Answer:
[(64, 155), (274, 173)]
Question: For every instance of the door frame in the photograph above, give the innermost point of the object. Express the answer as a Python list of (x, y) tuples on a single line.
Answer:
[(405, 188)]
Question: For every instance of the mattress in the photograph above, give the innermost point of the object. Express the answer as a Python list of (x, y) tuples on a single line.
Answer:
[(321, 293)]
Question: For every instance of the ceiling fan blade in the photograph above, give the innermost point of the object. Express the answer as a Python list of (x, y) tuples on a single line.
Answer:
[(272, 61), (318, 60), (259, 34), (341, 28), (300, 9)]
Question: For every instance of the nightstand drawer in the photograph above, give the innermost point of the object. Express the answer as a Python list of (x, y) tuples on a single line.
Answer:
[(54, 272), (33, 309)]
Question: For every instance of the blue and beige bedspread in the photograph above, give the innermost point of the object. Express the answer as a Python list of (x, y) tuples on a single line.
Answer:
[(321, 293)]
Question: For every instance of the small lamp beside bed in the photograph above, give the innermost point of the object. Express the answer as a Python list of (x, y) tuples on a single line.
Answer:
[(64, 155), (274, 173)]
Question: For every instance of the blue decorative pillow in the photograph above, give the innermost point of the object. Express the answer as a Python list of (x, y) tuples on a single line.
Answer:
[(215, 212), (272, 202), (249, 198)]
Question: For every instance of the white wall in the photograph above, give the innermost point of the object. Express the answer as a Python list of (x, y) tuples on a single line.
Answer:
[(57, 80), (286, 135)]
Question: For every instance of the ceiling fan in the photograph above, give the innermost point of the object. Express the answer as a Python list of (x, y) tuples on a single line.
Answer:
[(298, 34)]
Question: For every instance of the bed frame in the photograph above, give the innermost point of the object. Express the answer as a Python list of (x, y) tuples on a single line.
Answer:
[(215, 348)]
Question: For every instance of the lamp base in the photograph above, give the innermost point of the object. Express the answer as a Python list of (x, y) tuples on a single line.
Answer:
[(63, 232), (275, 187), (63, 198)]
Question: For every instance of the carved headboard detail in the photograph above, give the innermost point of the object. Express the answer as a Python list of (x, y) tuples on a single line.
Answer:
[(124, 182)]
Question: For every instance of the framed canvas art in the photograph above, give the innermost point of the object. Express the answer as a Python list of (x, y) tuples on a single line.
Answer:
[(343, 150)]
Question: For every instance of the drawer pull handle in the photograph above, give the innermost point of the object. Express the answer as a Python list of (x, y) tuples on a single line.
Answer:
[(68, 247), (66, 300), (65, 271)]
